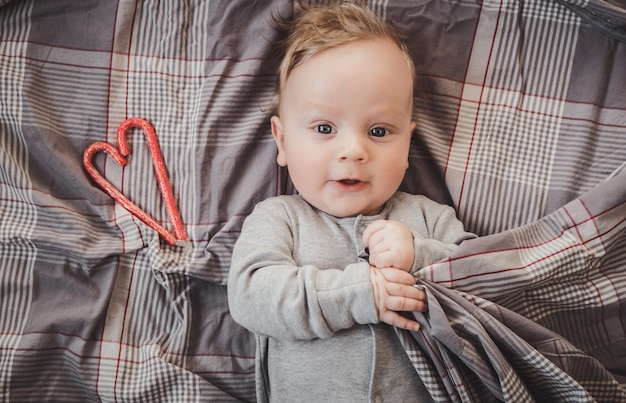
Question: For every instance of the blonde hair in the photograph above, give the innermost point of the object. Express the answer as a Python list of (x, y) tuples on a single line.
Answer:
[(318, 28)]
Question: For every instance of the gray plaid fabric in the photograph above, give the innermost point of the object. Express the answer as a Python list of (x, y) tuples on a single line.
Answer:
[(523, 123), (492, 303)]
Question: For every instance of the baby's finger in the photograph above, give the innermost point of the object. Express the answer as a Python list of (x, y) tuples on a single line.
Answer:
[(404, 304), (383, 257), (394, 319), (371, 230), (397, 276), (404, 290)]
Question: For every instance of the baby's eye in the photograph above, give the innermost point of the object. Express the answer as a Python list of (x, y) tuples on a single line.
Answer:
[(379, 132), (324, 129)]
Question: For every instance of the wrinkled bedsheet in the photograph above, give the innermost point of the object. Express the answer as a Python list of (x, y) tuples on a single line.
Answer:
[(522, 130)]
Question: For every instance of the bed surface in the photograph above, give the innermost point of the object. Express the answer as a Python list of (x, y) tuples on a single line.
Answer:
[(524, 132)]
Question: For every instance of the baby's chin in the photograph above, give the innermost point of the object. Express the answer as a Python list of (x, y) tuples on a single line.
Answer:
[(349, 211)]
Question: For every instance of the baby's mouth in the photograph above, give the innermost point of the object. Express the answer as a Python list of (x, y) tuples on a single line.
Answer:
[(350, 185), (349, 181)]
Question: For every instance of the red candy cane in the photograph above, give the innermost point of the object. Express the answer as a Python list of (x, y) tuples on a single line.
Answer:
[(159, 169)]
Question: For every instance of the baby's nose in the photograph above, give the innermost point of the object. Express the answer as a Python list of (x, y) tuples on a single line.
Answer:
[(354, 149)]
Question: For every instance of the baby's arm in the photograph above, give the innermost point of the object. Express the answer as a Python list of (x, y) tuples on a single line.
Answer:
[(435, 231), (269, 294)]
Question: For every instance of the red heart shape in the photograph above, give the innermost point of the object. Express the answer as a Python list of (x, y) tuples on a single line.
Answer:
[(159, 169)]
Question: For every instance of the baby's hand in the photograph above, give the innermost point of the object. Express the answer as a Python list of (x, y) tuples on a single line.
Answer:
[(390, 244), (394, 291)]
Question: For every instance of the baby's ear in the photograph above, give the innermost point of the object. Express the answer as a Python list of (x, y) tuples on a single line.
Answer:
[(279, 138)]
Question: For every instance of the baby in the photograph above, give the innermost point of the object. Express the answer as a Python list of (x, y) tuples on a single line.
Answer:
[(322, 277)]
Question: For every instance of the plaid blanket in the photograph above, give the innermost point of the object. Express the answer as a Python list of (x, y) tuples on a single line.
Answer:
[(486, 334), (523, 123)]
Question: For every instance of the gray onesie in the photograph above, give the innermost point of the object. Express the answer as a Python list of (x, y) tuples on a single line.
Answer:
[(299, 280)]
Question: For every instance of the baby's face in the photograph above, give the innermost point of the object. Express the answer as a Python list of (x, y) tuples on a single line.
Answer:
[(345, 127)]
